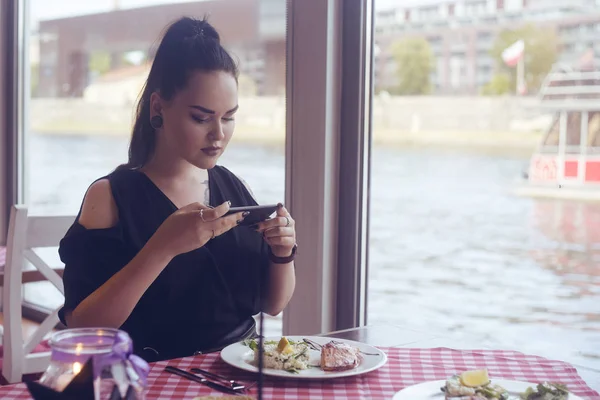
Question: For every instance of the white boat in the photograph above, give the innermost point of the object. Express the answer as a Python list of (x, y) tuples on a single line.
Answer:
[(566, 164)]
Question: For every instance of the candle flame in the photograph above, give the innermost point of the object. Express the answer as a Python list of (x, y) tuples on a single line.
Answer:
[(76, 368), (78, 348)]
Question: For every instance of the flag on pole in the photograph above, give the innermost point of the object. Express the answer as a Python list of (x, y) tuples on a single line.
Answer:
[(513, 57), (513, 53), (521, 84)]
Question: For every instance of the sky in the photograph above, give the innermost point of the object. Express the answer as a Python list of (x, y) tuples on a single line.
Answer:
[(51, 9)]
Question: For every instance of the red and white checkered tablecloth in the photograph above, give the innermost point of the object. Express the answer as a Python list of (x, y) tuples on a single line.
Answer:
[(405, 367)]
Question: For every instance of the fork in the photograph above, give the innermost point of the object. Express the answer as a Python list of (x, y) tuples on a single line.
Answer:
[(234, 384), (316, 346)]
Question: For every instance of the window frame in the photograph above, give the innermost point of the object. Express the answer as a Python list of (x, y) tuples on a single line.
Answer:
[(355, 163), (12, 100), (329, 109)]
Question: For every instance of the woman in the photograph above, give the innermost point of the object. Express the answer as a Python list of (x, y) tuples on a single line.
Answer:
[(152, 251)]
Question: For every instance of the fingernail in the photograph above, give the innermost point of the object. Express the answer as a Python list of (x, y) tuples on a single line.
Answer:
[(229, 203), (239, 221), (245, 213)]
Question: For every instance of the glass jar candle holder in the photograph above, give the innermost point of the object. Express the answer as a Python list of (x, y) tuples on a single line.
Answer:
[(110, 351)]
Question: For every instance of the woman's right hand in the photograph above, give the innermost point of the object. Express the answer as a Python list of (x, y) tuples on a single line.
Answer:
[(191, 227)]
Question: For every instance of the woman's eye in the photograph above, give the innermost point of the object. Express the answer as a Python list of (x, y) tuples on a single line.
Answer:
[(229, 119), (199, 119)]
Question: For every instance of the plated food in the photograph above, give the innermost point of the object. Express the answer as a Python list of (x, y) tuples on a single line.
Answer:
[(476, 385), (473, 385), (339, 356), (286, 355), (293, 356), (306, 357), (546, 391)]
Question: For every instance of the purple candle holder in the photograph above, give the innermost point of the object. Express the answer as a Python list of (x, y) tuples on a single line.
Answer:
[(95, 359)]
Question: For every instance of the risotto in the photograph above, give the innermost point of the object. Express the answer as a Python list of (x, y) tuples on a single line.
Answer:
[(283, 355)]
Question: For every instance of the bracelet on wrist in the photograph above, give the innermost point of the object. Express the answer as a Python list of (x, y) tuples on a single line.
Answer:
[(283, 260)]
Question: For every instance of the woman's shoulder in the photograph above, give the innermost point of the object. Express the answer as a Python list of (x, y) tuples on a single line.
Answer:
[(99, 209)]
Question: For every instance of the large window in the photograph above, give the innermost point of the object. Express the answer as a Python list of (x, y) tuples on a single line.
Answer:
[(88, 61), (452, 250)]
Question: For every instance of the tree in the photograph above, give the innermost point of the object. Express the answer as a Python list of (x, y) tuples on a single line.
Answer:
[(541, 52), (99, 62), (414, 60), (35, 78), (499, 85)]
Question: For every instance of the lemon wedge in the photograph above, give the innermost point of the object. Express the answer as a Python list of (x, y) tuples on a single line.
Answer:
[(475, 378), (283, 343), (288, 350)]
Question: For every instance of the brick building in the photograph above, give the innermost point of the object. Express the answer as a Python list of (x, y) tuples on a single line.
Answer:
[(462, 32), (255, 33)]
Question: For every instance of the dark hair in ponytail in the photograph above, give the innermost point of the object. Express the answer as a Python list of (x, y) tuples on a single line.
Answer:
[(188, 45)]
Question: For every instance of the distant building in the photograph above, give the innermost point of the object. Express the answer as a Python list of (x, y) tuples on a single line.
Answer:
[(461, 33), (254, 32)]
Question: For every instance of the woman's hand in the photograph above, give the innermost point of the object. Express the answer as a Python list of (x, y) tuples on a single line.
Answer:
[(192, 226), (279, 232)]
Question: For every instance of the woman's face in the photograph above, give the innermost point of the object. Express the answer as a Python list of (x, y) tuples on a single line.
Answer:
[(199, 121)]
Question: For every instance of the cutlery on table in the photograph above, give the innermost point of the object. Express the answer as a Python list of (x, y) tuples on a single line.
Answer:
[(198, 379), (234, 384)]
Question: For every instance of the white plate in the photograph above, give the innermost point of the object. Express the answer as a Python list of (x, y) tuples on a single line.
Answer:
[(431, 390), (240, 356)]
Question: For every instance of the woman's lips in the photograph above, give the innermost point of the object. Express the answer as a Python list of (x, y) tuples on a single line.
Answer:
[(211, 151)]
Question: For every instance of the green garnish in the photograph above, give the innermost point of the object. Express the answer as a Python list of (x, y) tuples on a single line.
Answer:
[(556, 391), (250, 343), (253, 343), (492, 392), (301, 353)]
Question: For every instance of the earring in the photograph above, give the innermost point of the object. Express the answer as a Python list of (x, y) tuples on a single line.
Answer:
[(156, 121)]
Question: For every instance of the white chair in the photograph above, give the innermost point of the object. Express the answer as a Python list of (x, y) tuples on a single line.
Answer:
[(26, 233)]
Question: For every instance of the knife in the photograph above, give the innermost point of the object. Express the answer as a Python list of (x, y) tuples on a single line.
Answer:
[(203, 381), (233, 384)]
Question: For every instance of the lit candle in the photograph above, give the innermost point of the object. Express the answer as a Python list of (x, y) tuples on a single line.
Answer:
[(63, 380), (76, 368)]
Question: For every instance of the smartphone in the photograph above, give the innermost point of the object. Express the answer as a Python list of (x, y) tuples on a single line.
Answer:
[(257, 213)]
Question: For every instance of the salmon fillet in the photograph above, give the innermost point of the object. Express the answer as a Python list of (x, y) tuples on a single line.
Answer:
[(338, 356)]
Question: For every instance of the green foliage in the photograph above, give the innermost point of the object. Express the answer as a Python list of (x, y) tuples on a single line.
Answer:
[(541, 52), (499, 85), (100, 62), (414, 60)]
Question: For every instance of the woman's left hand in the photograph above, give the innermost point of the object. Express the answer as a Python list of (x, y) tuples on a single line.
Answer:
[(279, 232)]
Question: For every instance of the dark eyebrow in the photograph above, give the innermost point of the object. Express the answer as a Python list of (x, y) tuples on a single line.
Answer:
[(209, 111)]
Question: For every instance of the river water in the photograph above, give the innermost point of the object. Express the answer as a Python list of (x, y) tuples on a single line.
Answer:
[(452, 251)]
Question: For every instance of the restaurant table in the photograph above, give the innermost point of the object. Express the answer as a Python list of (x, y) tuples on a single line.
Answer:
[(413, 357)]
